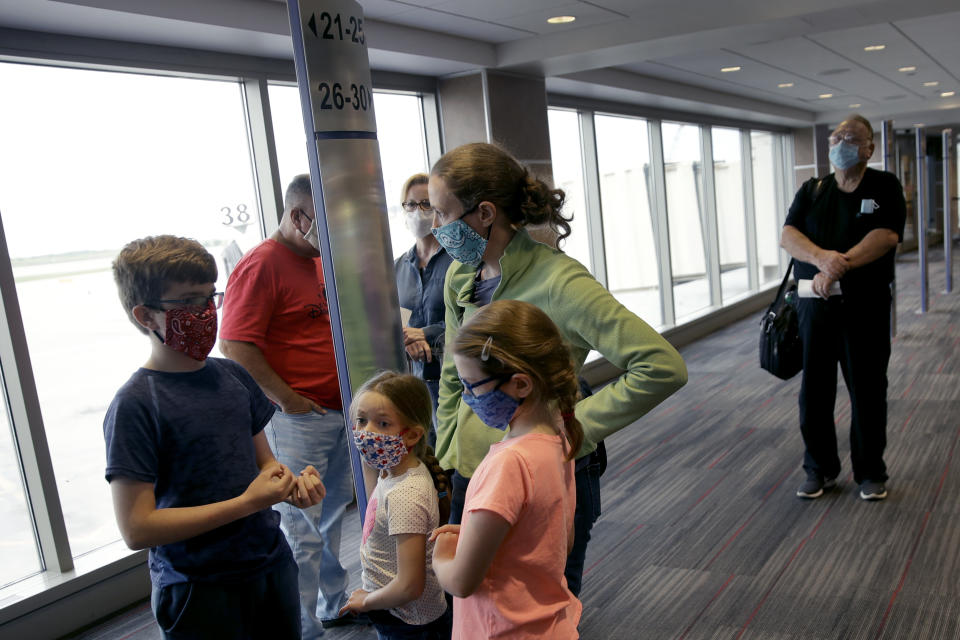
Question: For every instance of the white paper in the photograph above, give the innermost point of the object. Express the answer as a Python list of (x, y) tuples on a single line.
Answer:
[(805, 289), (405, 317)]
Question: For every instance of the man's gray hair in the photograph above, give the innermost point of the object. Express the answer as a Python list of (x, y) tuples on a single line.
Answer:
[(856, 117), (298, 191)]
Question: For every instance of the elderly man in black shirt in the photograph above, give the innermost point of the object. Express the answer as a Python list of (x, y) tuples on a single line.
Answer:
[(844, 229)]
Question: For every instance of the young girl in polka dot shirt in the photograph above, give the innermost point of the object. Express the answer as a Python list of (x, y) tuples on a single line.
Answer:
[(391, 414)]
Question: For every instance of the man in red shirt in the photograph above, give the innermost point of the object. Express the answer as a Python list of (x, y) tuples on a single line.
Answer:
[(275, 324)]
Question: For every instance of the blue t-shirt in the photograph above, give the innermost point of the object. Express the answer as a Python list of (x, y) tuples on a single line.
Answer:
[(191, 435)]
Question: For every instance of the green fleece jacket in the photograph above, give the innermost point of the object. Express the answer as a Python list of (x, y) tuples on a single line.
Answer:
[(588, 317)]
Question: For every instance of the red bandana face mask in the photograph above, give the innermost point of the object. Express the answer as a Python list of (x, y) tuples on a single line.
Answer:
[(191, 333)]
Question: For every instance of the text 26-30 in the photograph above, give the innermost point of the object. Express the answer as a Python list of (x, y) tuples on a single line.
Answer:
[(332, 96)]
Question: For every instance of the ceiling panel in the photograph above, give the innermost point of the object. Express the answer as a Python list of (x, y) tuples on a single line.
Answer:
[(497, 10), (587, 15), (938, 36), (459, 26), (899, 52)]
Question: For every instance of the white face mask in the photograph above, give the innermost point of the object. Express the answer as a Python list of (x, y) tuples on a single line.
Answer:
[(418, 222), (311, 235)]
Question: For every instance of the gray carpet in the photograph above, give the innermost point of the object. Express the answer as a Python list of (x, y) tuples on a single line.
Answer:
[(702, 536)]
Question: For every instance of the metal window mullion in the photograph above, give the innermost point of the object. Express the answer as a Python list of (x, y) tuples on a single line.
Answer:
[(709, 230), (780, 191), (27, 422), (429, 111), (263, 152), (749, 209), (591, 182), (660, 228)]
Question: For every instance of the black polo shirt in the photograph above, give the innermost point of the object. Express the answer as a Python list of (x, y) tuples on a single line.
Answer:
[(832, 219)]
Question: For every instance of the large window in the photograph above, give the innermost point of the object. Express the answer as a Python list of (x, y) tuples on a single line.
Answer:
[(625, 188), (683, 170), (400, 133), (731, 218), (125, 157), (567, 158)]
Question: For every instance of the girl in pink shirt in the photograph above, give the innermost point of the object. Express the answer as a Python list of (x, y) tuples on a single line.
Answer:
[(504, 564)]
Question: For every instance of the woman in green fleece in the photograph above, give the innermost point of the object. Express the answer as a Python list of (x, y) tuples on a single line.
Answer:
[(483, 199)]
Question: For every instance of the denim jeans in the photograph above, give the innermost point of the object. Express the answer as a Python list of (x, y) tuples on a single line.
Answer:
[(587, 478), (389, 627), (265, 606), (314, 534), (458, 495)]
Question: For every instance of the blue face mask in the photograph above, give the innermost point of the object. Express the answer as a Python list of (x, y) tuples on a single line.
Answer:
[(844, 155), (461, 242), (495, 408)]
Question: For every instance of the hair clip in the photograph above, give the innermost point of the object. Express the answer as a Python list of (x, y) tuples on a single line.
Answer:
[(485, 352), (567, 416), (442, 494)]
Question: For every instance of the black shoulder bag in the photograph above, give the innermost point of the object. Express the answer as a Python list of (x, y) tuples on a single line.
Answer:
[(781, 352)]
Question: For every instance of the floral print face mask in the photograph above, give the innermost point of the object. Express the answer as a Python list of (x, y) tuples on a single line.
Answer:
[(379, 450)]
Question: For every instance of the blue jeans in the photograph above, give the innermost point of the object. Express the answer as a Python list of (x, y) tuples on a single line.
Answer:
[(314, 534), (587, 477), (458, 495), (265, 606), (389, 627)]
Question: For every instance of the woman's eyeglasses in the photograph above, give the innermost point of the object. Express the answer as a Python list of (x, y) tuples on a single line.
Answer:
[(412, 205)]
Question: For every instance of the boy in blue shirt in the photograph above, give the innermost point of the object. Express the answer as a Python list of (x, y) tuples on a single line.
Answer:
[(190, 470)]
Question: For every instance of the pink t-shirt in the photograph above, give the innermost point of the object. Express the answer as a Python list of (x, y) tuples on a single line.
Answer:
[(276, 299), (527, 482)]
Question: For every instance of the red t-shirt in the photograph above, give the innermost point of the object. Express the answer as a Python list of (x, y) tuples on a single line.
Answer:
[(276, 299)]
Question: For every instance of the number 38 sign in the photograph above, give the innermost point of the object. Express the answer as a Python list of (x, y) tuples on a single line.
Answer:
[(336, 55)]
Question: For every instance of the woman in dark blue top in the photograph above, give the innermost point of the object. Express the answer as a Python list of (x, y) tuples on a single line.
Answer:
[(420, 273)]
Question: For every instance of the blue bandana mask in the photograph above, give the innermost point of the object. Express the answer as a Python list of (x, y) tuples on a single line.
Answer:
[(495, 408), (461, 242), (844, 155)]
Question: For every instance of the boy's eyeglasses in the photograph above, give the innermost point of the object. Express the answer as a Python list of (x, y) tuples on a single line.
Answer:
[(197, 302), (412, 205)]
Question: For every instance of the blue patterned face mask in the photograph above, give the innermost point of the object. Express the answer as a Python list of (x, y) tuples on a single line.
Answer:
[(844, 155), (461, 242), (495, 408)]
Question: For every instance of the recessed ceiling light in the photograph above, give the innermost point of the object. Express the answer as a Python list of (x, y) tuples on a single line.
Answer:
[(785, 85), (907, 69), (948, 94), (854, 105), (729, 69), (561, 19), (825, 95), (875, 47), (932, 83)]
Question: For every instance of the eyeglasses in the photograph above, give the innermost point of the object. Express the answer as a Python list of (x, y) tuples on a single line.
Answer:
[(412, 205), (196, 302), (846, 136), (468, 387)]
